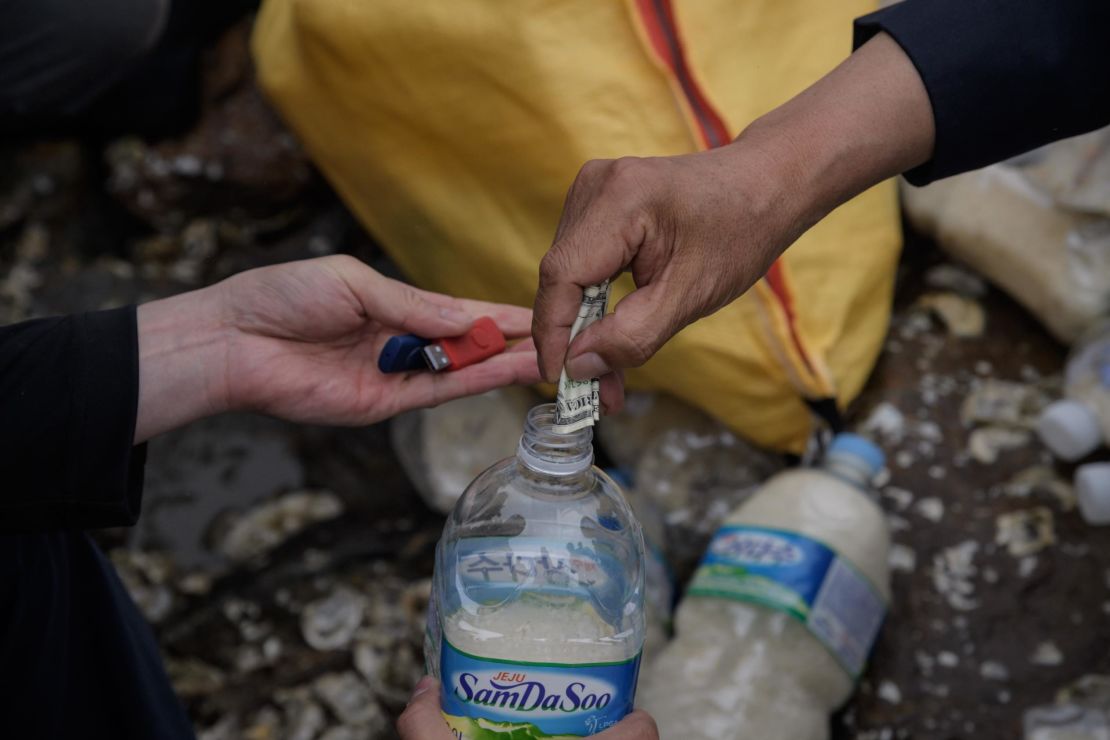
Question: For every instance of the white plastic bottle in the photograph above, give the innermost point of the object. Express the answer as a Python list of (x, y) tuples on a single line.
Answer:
[(444, 447), (1092, 490), (536, 622), (781, 614), (1078, 425)]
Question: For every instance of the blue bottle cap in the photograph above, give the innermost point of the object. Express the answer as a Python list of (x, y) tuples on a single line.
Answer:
[(861, 448)]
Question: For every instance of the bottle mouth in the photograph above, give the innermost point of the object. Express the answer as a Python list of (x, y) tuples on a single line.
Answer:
[(548, 452)]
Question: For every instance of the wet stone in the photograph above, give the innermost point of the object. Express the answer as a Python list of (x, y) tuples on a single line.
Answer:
[(953, 572), (266, 725), (1025, 532), (992, 670), (303, 715), (348, 733), (268, 525), (1046, 654), (963, 317), (193, 678), (349, 699), (987, 443), (370, 662), (331, 623), (1003, 403)]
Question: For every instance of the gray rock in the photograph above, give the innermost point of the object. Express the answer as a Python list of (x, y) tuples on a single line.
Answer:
[(266, 526), (330, 623), (304, 717), (193, 677), (348, 698)]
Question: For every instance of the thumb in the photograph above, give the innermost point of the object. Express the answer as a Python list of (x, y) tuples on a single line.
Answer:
[(401, 306), (628, 337), (422, 719)]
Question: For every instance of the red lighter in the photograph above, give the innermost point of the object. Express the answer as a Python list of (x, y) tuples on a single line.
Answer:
[(454, 353)]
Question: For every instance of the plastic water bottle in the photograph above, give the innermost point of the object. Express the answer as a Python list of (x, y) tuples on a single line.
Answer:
[(444, 447), (537, 615), (782, 612), (659, 583), (1080, 424), (1092, 491), (1081, 712)]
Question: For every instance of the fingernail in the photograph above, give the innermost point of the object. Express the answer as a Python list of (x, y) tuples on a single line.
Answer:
[(548, 377), (543, 373), (425, 684), (454, 314), (586, 366)]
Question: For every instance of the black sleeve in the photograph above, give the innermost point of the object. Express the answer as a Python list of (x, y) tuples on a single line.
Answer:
[(1003, 76), (68, 399)]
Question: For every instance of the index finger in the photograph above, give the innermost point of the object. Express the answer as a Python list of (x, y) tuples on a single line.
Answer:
[(514, 321)]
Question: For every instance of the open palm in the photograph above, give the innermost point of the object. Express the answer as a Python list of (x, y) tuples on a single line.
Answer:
[(305, 338)]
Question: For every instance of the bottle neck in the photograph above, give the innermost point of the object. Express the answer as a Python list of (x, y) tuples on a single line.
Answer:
[(547, 452), (850, 468)]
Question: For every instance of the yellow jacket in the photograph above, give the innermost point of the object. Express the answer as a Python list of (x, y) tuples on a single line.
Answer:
[(453, 129)]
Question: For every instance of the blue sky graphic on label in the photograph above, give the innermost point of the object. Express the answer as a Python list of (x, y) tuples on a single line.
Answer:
[(790, 560)]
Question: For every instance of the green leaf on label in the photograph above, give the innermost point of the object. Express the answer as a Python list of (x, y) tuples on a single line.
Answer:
[(735, 582), (471, 728)]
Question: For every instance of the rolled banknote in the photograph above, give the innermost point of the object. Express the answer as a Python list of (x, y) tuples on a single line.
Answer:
[(578, 403)]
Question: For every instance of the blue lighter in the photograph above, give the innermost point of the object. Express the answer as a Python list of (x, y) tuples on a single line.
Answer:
[(402, 354)]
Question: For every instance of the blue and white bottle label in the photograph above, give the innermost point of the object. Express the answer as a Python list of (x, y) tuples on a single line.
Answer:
[(805, 578), (485, 699)]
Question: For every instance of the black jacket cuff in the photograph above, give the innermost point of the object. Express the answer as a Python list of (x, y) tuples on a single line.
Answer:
[(1003, 76), (69, 387)]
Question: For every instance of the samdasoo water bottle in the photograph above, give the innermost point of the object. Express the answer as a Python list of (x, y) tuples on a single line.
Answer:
[(536, 621), (781, 614)]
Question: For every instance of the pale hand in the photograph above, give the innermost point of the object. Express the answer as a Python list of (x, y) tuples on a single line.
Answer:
[(301, 340)]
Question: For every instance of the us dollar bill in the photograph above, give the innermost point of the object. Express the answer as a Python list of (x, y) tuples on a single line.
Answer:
[(578, 403)]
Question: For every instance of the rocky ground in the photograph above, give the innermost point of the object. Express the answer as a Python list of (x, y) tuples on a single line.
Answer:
[(285, 569), (1000, 588)]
